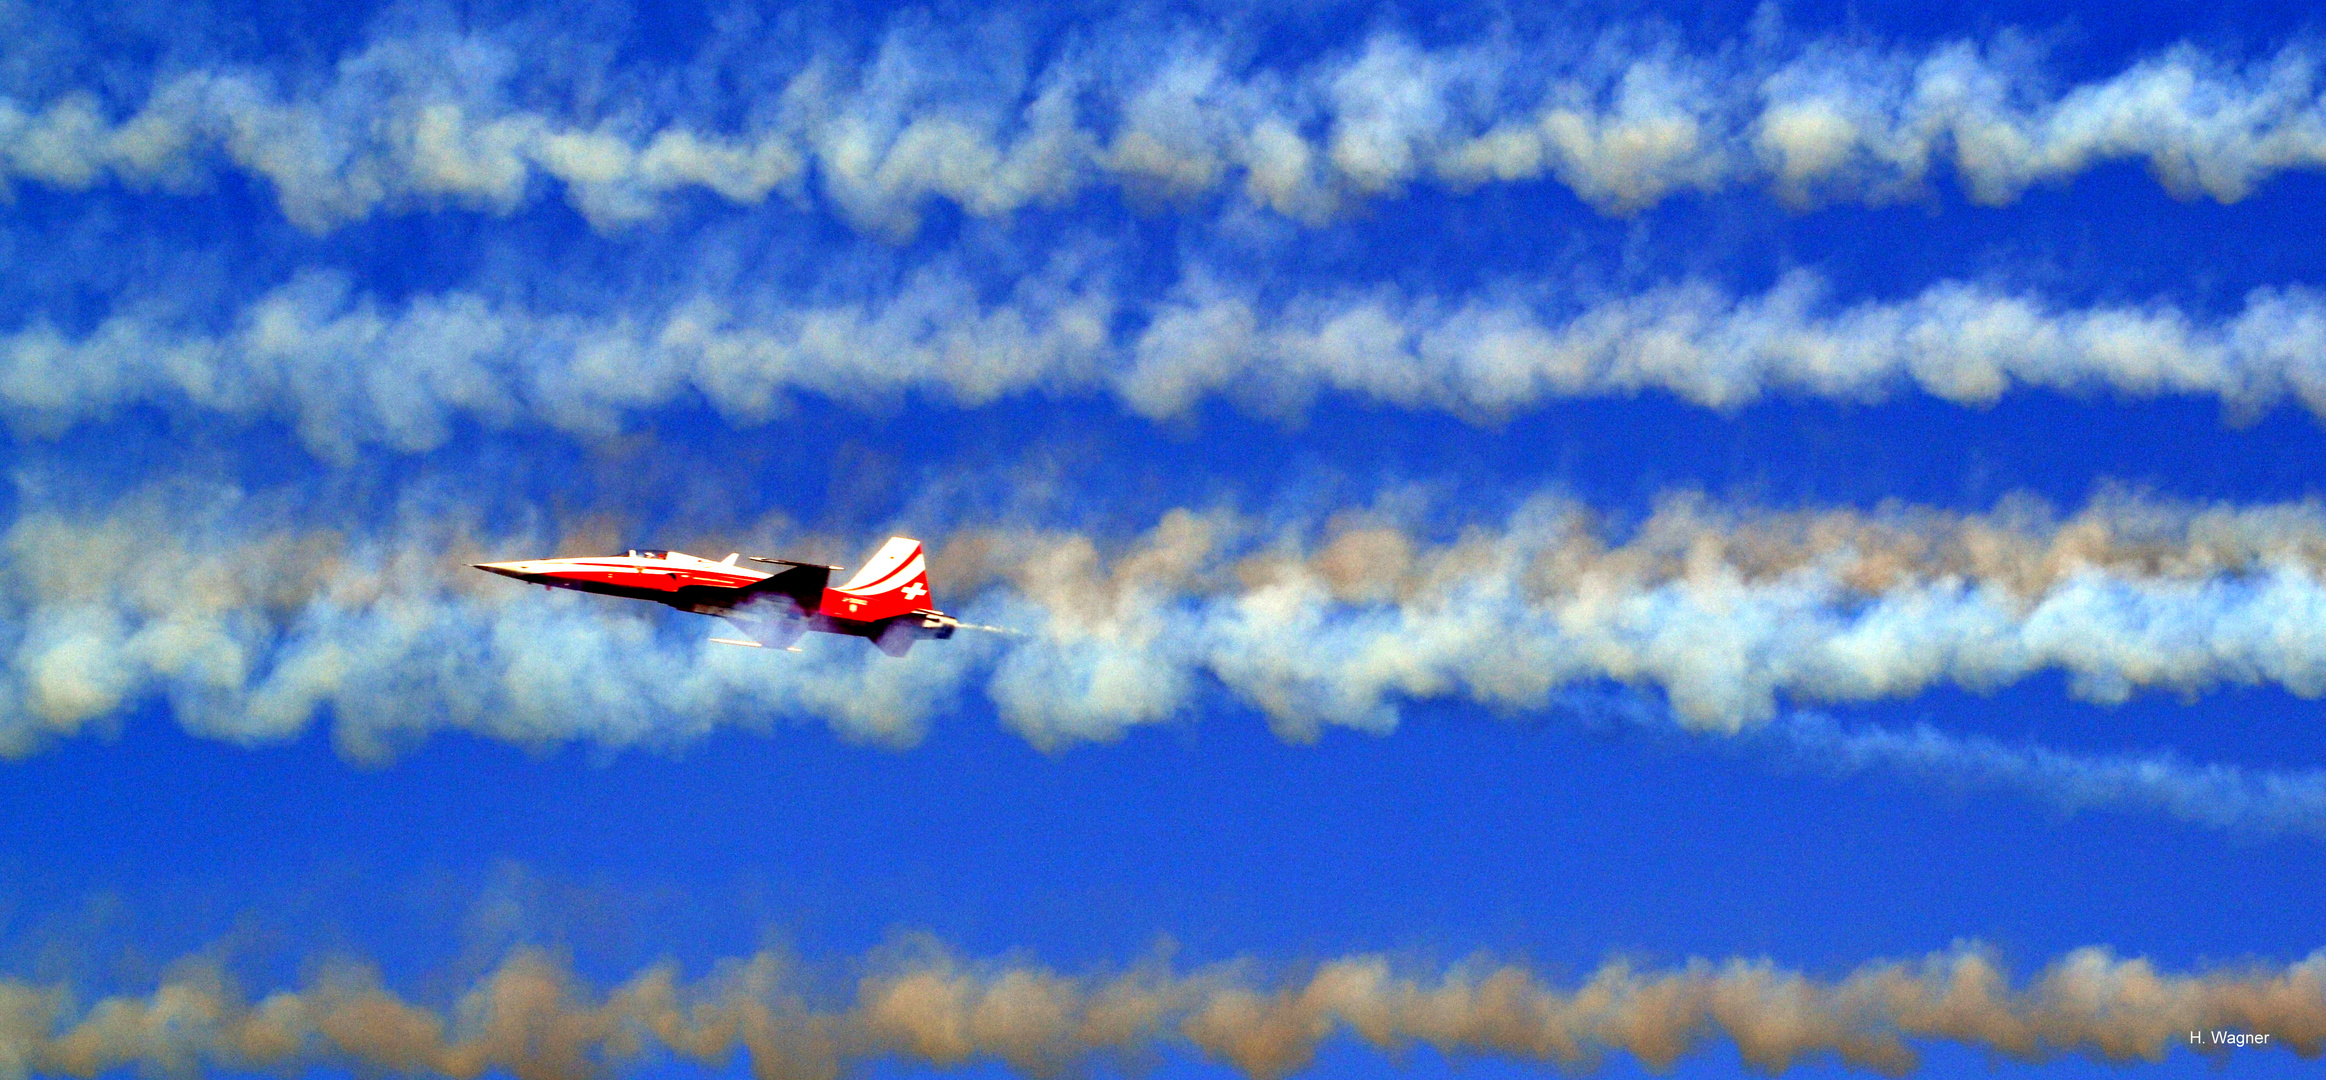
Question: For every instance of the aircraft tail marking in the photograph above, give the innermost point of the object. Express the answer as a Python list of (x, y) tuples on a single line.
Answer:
[(895, 582)]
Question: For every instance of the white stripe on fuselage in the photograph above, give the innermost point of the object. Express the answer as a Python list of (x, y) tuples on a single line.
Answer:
[(678, 562)]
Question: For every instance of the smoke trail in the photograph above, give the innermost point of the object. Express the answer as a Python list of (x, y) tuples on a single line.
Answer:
[(2230, 798), (2212, 795), (252, 629), (992, 122), (347, 371), (532, 1019), (1508, 618), (255, 638)]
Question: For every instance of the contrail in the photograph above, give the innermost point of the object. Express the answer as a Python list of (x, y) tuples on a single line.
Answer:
[(993, 120), (347, 371), (531, 1018)]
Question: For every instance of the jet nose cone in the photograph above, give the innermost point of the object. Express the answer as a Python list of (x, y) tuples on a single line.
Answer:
[(505, 569)]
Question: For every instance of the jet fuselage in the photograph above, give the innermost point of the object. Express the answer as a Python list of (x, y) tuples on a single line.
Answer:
[(884, 602)]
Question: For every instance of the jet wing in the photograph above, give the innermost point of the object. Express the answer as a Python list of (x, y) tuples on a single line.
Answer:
[(773, 621), (802, 583)]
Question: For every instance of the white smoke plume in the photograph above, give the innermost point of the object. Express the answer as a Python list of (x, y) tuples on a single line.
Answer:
[(992, 123), (1728, 613), (252, 632), (2213, 795), (533, 1019), (348, 371), (2246, 802)]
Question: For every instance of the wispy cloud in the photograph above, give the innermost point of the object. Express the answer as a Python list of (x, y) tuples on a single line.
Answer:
[(530, 1017), (995, 121), (350, 371)]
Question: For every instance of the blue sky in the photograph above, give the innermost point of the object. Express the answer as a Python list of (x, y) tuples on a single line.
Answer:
[(1768, 511)]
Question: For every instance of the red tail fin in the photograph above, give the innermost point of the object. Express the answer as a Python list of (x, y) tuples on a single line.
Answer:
[(895, 582)]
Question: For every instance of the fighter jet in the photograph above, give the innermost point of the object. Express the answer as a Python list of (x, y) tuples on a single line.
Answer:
[(886, 601)]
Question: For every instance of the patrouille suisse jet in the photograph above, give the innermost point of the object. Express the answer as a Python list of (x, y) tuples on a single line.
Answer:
[(887, 601)]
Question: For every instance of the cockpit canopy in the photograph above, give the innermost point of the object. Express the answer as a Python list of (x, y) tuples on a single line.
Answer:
[(656, 554)]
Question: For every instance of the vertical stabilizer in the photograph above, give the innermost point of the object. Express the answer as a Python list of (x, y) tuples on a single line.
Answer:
[(895, 582)]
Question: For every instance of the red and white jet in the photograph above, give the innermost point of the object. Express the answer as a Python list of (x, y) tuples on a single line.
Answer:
[(887, 601)]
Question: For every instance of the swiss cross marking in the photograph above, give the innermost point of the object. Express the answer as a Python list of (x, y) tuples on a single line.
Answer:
[(914, 591)]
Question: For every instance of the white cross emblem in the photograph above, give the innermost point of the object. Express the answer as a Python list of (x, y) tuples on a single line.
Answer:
[(914, 591)]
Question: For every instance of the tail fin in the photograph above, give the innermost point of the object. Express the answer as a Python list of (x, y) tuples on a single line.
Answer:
[(895, 582)]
